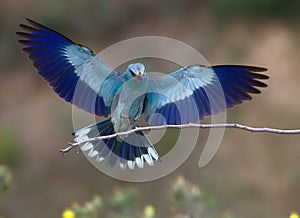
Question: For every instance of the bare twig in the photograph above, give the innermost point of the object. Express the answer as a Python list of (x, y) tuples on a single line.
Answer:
[(190, 125)]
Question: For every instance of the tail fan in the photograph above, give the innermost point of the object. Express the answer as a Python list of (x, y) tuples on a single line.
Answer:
[(129, 150)]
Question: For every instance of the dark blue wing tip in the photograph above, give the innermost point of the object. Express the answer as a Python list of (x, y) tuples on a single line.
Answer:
[(248, 67), (34, 23), (32, 29), (254, 72)]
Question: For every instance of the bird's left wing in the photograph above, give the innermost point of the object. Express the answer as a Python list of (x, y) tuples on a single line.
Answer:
[(191, 93), (74, 71)]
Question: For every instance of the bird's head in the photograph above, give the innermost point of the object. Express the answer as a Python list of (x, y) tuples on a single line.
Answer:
[(136, 71)]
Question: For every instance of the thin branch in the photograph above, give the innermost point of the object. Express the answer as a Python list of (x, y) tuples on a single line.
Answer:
[(190, 125)]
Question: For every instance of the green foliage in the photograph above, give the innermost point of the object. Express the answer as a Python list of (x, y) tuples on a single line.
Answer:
[(255, 9), (9, 147), (5, 179), (121, 202), (188, 199), (185, 198), (90, 209)]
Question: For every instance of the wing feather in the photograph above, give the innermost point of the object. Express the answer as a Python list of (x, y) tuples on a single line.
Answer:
[(74, 71), (192, 93)]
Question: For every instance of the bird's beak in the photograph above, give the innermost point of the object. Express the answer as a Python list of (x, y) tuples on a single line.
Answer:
[(140, 76)]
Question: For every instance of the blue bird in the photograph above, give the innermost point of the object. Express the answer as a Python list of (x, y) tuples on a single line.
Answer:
[(186, 95)]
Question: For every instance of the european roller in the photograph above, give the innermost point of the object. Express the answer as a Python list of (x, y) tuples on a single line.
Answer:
[(186, 95)]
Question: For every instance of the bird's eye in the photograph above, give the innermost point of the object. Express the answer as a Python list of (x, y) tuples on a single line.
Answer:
[(132, 73)]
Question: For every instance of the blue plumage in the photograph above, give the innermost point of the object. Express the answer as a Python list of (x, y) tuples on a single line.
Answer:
[(58, 60), (186, 95), (206, 91)]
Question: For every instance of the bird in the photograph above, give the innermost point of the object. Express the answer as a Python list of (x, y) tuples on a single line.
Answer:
[(184, 96)]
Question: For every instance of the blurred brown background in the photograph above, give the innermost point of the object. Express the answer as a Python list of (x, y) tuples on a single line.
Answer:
[(252, 175)]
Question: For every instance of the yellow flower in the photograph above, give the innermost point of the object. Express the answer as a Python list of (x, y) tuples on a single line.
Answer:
[(68, 214), (149, 211), (294, 215)]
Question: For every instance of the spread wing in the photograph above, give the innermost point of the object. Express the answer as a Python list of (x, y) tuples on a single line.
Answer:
[(191, 93), (74, 71)]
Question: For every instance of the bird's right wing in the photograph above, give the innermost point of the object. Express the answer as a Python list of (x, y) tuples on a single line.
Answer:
[(74, 71)]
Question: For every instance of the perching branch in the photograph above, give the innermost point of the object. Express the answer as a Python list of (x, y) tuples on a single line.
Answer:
[(190, 125)]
